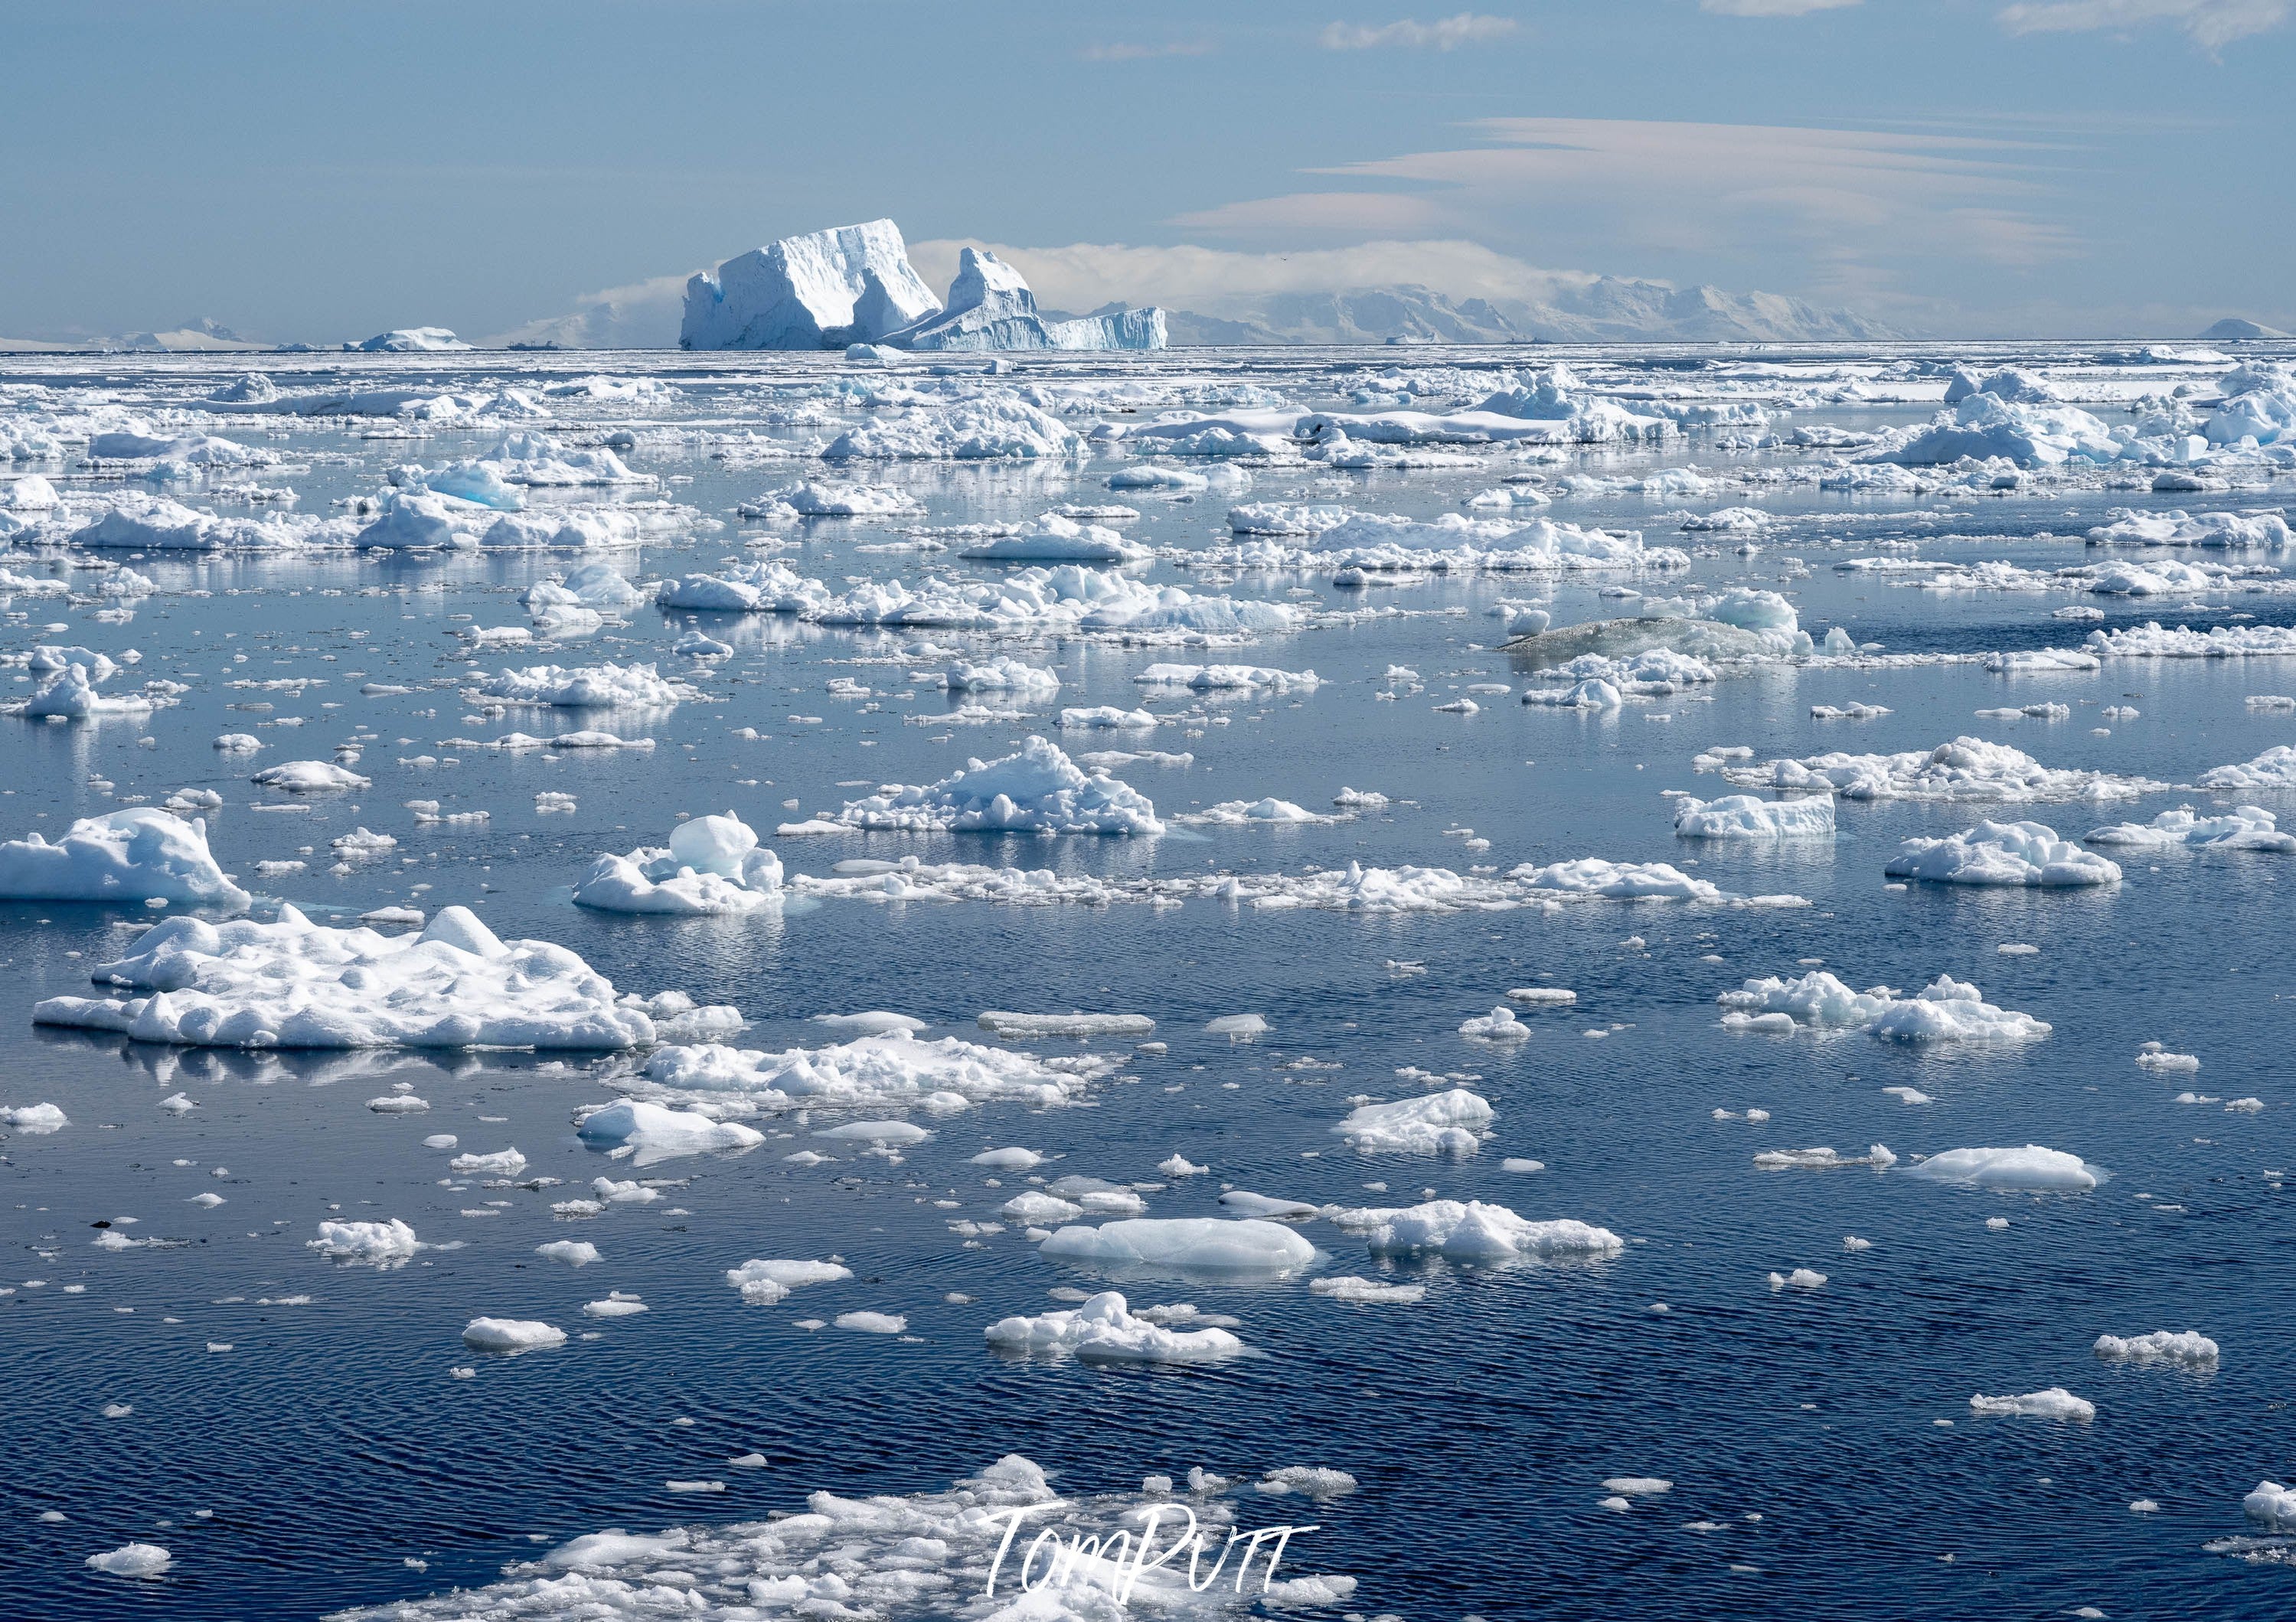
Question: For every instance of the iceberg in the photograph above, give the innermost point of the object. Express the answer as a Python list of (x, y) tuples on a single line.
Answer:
[(991, 307), (822, 291)]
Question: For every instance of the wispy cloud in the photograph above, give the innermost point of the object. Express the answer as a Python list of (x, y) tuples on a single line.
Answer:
[(2211, 23), (1444, 34), (1128, 51), (1855, 206), (1773, 8)]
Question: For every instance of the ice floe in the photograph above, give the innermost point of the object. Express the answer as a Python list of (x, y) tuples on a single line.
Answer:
[(1104, 1330), (292, 983), (136, 853), (2031, 1169), (712, 865), (2028, 854)]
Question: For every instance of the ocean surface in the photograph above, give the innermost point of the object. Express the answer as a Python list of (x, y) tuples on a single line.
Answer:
[(294, 1435)]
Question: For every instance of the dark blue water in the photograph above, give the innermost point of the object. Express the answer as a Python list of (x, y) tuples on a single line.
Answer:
[(300, 1472)]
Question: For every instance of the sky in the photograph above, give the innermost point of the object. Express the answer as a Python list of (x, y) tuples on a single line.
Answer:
[(318, 171)]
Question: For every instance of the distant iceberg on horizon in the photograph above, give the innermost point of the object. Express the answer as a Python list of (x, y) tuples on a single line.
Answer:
[(853, 284)]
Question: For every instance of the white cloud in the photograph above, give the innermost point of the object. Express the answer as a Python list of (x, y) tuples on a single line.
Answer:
[(1444, 34), (2211, 23), (1836, 197), (1213, 280), (1772, 8)]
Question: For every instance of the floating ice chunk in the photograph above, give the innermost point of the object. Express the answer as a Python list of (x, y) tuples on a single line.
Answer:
[(1308, 1481), (1618, 880), (1039, 790), (1550, 996), (1195, 1244), (134, 854), (2243, 828), (1007, 1159), (1476, 1231), (616, 1305), (1238, 1028), (1877, 1156), (1449, 1123), (501, 1163), (1967, 768), (588, 687), (1107, 717), (510, 1335), (1800, 1278), (292, 983), (373, 1244), (1948, 1009), (1034, 1205), (1983, 426), (1179, 1166), (767, 587), (873, 1323), (309, 777), (1245, 1203), (764, 1281), (839, 498), (1218, 678), (1055, 539), (2055, 1403), (396, 1104), (1023, 1026), (132, 1560), (1104, 1330), (712, 865), (2187, 1347), (654, 1133), (987, 428), (1004, 674), (1908, 1096), (1742, 816), (2276, 768), (239, 743), (2270, 1504), (2029, 1169), (2003, 854), (877, 1022), (576, 1252), (877, 1073), (1367, 1290), (593, 529), (1500, 1025)]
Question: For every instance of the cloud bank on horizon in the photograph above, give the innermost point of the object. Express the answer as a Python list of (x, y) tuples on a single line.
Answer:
[(1826, 150)]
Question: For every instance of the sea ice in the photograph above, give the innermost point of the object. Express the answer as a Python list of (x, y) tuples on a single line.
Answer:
[(1104, 1330), (2002, 854), (134, 854)]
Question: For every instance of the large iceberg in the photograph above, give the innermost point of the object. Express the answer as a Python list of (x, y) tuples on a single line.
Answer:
[(822, 290), (991, 307)]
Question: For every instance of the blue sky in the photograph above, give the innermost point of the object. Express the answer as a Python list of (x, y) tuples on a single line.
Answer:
[(321, 171)]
